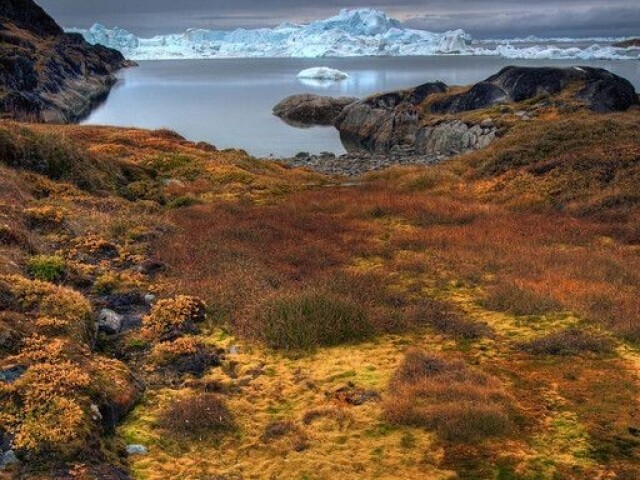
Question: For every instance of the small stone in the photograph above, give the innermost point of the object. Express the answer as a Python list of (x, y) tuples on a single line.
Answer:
[(8, 458), (109, 321), (149, 298), (12, 374), (234, 350), (137, 450)]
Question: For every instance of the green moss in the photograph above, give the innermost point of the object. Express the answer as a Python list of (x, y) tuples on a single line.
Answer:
[(48, 268)]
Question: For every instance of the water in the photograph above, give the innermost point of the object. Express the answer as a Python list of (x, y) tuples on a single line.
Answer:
[(228, 102)]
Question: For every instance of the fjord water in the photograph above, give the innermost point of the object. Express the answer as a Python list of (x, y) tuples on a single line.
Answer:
[(228, 102)]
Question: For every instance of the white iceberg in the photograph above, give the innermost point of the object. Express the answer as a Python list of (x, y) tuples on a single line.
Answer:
[(361, 32), (351, 33), (322, 73)]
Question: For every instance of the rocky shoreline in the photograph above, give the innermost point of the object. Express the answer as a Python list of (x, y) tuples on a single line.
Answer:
[(356, 164)]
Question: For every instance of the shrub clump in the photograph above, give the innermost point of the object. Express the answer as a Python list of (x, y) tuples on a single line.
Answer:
[(173, 317), (509, 298), (198, 417), (446, 320), (572, 341), (304, 322), (48, 268), (459, 404)]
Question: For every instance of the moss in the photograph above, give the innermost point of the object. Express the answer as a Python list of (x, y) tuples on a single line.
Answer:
[(49, 268)]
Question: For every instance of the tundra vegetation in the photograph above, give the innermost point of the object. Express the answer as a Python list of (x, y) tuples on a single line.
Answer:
[(476, 319)]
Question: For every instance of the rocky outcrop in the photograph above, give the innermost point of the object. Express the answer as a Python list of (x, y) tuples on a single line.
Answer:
[(382, 122), (410, 119), (454, 137), (45, 74), (307, 110), (601, 90)]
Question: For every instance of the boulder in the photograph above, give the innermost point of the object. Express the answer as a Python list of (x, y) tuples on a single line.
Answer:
[(600, 89), (382, 122), (307, 110), (109, 321)]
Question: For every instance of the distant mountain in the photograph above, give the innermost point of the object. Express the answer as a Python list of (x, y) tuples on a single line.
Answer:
[(46, 74)]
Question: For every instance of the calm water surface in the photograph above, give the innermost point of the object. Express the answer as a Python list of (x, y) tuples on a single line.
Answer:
[(228, 102)]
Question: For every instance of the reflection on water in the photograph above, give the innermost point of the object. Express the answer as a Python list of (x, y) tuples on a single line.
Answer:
[(228, 102)]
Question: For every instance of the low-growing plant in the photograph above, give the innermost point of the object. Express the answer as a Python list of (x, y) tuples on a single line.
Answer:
[(173, 317), (571, 341), (458, 403), (48, 268), (198, 417), (510, 298), (447, 320), (310, 320)]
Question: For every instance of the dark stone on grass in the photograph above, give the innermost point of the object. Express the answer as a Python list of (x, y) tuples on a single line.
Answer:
[(12, 374), (354, 395), (122, 302), (152, 267)]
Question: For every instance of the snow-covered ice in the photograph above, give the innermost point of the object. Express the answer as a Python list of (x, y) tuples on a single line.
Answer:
[(322, 73), (361, 32)]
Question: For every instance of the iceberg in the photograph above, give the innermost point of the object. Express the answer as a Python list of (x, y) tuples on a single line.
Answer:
[(360, 32), (322, 73)]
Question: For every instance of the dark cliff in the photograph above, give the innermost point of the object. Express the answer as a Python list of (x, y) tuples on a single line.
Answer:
[(47, 75)]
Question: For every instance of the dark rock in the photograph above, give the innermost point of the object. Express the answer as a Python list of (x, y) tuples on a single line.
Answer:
[(381, 122), (307, 110), (131, 322), (12, 374), (602, 90), (5, 441), (123, 302), (45, 74), (152, 267), (196, 364), (8, 458), (354, 395)]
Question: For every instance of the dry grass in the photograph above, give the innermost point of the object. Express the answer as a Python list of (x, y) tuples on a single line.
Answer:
[(572, 341), (445, 396), (198, 417)]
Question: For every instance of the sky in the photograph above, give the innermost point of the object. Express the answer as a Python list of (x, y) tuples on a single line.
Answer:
[(481, 18)]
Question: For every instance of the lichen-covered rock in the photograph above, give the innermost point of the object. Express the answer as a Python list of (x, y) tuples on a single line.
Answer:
[(306, 110), (109, 321), (453, 137)]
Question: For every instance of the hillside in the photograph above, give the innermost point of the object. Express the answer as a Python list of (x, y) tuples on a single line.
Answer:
[(474, 319), (45, 74)]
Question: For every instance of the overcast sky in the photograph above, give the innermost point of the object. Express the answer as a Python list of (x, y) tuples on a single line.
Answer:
[(481, 18)]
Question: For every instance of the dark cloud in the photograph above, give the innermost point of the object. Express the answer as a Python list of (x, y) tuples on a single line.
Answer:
[(482, 18)]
